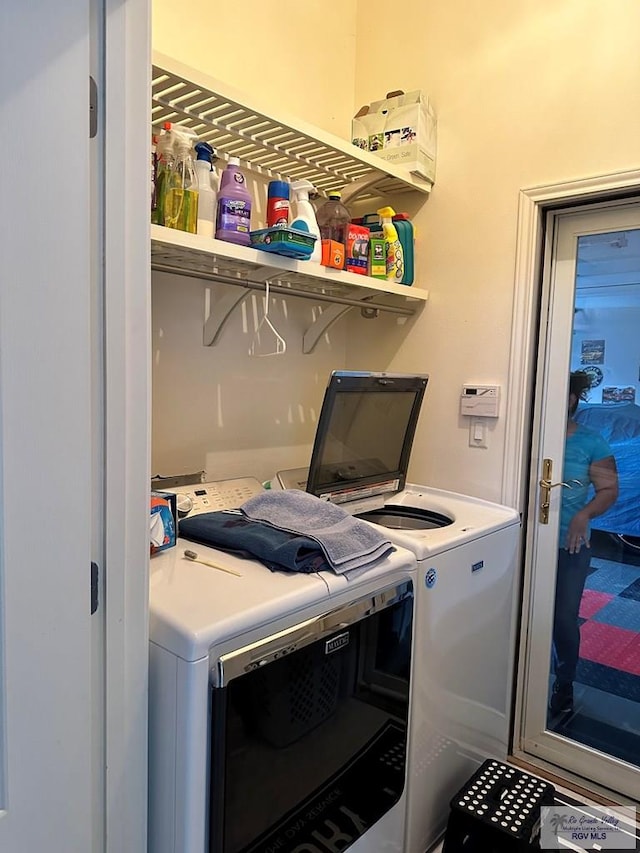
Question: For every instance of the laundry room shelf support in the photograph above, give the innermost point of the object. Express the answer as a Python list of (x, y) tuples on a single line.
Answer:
[(273, 145), (225, 306), (177, 253)]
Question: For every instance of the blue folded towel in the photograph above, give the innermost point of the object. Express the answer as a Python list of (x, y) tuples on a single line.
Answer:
[(278, 550), (347, 542)]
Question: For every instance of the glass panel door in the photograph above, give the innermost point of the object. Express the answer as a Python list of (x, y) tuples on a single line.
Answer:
[(583, 656)]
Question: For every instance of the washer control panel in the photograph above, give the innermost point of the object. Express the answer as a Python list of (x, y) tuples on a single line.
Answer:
[(220, 494)]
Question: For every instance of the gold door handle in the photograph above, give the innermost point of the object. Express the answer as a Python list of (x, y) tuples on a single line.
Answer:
[(545, 489)]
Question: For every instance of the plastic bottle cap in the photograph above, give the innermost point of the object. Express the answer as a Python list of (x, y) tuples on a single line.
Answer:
[(205, 151), (334, 194), (234, 161), (278, 189)]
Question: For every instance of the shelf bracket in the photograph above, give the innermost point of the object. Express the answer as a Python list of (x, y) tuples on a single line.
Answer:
[(353, 190), (220, 313), (224, 307), (328, 317), (216, 316)]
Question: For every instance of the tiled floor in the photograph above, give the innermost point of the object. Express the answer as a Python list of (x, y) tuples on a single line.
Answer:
[(607, 688)]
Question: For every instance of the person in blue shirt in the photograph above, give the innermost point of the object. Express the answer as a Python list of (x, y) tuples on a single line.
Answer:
[(591, 480)]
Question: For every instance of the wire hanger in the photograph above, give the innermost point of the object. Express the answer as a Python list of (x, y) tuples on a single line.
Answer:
[(266, 340)]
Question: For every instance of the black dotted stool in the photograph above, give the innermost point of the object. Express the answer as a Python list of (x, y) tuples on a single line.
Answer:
[(497, 811)]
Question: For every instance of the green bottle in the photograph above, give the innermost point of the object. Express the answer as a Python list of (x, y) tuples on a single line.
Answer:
[(181, 187), (166, 161)]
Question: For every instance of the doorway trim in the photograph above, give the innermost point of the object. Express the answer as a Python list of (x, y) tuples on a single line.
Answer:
[(125, 110), (533, 203)]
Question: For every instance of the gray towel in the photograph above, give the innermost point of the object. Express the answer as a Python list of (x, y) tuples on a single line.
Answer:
[(347, 542)]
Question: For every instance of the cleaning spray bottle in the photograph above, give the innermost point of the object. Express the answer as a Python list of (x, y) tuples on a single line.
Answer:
[(395, 256), (207, 187), (181, 198), (233, 222), (154, 173), (304, 216), (165, 164)]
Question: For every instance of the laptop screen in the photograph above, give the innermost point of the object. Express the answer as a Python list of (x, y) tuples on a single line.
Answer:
[(365, 431)]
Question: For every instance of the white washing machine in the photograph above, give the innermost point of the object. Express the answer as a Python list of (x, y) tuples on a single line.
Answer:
[(278, 706), (464, 647), (466, 608)]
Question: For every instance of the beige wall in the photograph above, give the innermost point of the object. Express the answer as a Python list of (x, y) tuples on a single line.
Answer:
[(527, 92), (289, 52), (217, 408), (221, 410)]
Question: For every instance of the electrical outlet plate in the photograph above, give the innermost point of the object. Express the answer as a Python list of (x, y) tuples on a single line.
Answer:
[(478, 431)]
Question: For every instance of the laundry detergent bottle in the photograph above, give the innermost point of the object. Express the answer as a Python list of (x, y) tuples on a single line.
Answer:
[(233, 222), (406, 235), (395, 255), (303, 214)]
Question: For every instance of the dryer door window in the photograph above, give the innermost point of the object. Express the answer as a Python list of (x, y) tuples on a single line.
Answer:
[(308, 746)]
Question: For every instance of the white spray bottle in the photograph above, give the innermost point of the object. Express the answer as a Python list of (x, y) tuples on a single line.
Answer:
[(207, 186), (303, 212)]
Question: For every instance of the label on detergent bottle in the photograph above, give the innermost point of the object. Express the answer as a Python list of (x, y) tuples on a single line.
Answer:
[(395, 261), (234, 214)]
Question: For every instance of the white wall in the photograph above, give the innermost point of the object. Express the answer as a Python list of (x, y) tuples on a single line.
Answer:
[(526, 93)]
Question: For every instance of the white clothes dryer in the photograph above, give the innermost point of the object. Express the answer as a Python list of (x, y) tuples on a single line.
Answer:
[(465, 618), (278, 706)]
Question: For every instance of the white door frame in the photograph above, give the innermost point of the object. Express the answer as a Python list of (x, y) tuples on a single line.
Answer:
[(533, 204), (127, 354)]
